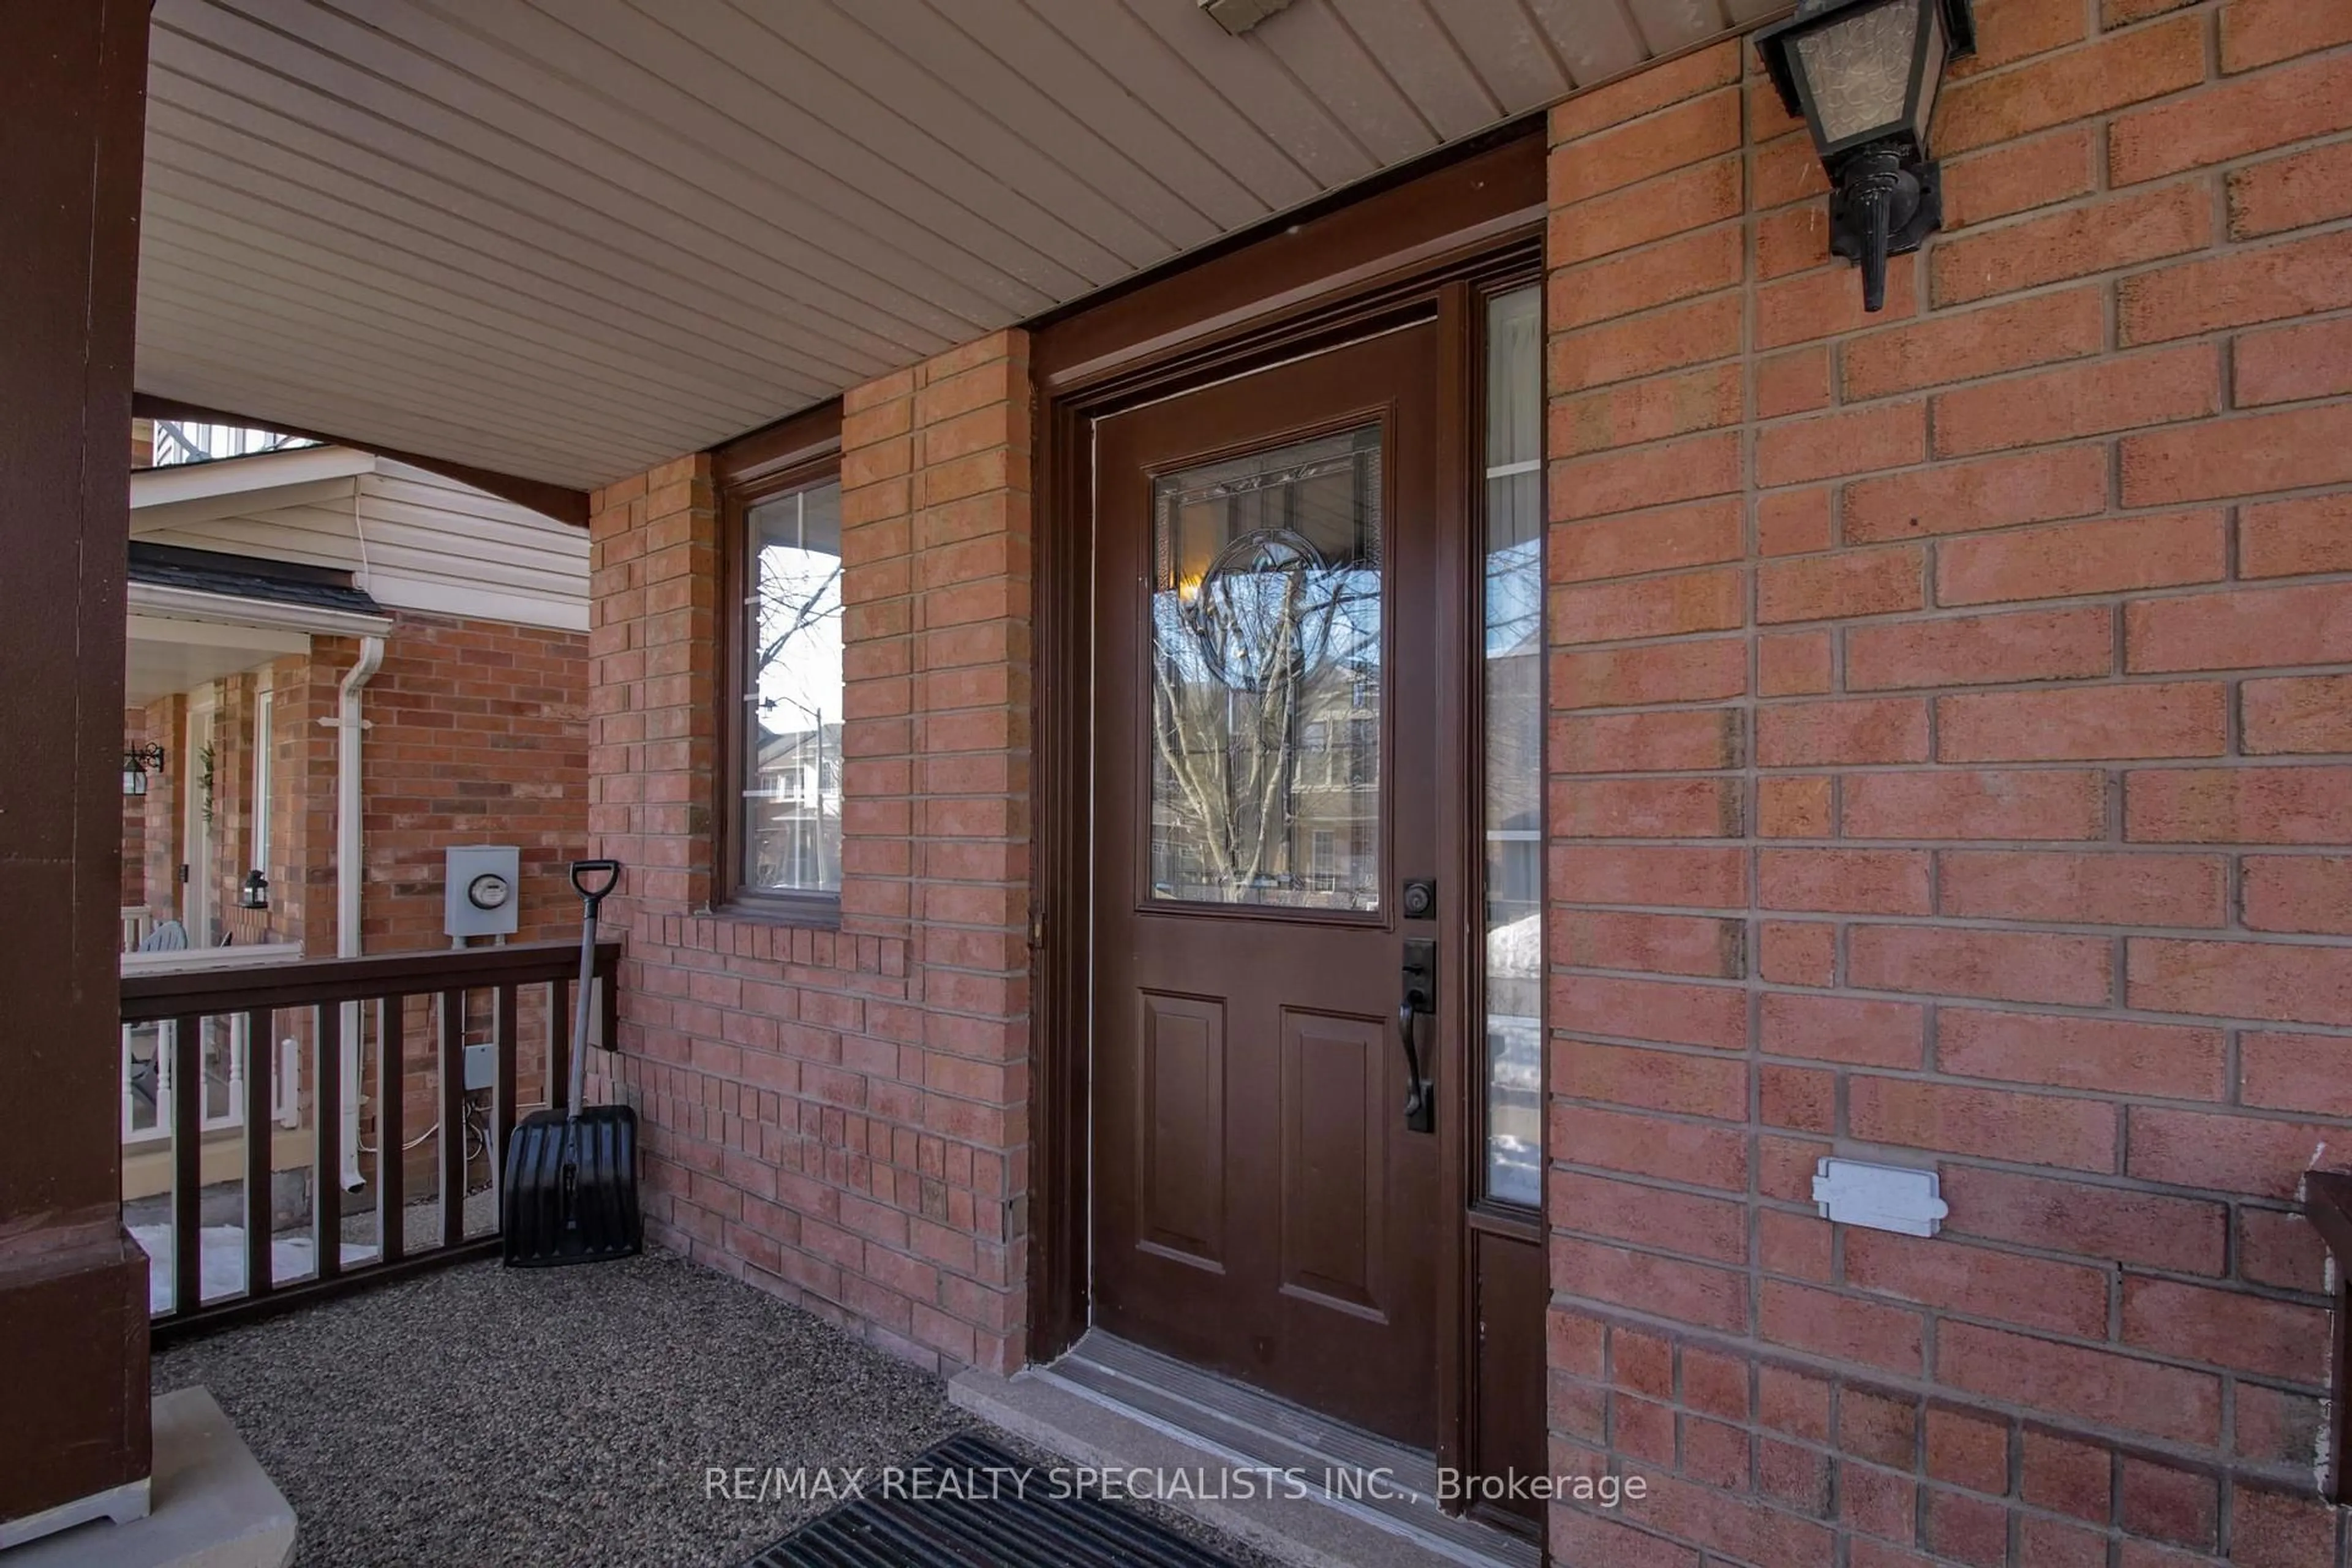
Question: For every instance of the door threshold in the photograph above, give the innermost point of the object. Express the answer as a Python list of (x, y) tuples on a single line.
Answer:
[(1368, 1502)]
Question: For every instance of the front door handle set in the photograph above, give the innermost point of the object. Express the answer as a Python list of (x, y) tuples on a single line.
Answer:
[(1419, 974)]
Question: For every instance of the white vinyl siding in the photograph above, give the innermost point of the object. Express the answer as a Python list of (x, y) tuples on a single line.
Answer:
[(412, 539)]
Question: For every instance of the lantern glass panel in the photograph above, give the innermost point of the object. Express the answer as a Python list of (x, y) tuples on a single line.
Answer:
[(1858, 69), (1938, 46)]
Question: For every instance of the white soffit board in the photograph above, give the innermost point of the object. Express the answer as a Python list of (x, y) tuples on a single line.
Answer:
[(572, 239), (239, 478), (165, 655)]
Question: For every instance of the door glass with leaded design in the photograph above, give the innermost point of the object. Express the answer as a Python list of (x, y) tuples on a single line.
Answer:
[(1266, 668)]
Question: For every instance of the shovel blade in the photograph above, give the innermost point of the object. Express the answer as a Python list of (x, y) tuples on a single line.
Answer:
[(571, 1190)]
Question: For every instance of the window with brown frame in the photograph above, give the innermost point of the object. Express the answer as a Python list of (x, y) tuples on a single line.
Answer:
[(780, 795)]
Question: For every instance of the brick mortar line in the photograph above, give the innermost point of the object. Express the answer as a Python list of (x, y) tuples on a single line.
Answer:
[(1875, 1296), (1925, 613), (1878, 1296)]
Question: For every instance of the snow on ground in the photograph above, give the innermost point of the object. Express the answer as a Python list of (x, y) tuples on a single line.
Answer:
[(223, 1260), (1517, 948)]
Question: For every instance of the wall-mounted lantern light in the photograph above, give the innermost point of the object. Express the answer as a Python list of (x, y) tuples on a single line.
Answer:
[(255, 893), (137, 763), (1863, 73)]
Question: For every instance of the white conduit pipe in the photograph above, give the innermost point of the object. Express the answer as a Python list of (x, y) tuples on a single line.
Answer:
[(349, 875)]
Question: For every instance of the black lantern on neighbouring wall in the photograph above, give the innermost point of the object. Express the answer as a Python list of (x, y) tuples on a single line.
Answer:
[(255, 893), (1863, 73), (138, 761)]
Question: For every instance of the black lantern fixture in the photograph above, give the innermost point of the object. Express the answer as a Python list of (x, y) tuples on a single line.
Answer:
[(137, 763), (255, 893), (1863, 73)]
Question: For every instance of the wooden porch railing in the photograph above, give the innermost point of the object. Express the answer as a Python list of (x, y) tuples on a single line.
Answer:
[(325, 997)]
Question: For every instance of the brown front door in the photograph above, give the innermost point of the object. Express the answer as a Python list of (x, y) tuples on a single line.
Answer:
[(1265, 684)]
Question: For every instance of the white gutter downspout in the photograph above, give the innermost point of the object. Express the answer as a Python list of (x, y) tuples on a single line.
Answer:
[(350, 867)]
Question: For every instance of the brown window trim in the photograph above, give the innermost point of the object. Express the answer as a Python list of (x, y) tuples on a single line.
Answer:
[(804, 449)]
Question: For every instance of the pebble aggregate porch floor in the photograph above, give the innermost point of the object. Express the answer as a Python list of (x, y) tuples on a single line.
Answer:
[(484, 1416)]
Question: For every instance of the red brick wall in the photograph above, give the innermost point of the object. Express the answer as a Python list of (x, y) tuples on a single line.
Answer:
[(477, 733), (302, 796), (1967, 686), (162, 722), (841, 1116), (134, 818), (233, 817)]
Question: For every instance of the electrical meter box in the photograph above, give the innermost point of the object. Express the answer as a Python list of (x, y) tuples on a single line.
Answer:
[(484, 889)]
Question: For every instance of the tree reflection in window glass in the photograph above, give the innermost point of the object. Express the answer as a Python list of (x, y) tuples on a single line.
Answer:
[(792, 755), (1266, 677), (1514, 747)]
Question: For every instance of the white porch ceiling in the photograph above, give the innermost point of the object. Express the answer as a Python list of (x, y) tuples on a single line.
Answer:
[(568, 240), (164, 656)]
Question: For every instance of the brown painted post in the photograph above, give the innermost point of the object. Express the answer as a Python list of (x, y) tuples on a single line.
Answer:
[(73, 1287)]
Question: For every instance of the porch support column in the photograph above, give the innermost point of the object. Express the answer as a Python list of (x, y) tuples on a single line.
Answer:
[(73, 1287)]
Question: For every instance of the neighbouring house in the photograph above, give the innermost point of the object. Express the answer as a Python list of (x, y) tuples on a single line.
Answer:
[(1306, 702), (278, 595)]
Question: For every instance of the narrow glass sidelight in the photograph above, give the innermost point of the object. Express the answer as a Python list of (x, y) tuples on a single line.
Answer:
[(1512, 682), (791, 789), (1266, 666)]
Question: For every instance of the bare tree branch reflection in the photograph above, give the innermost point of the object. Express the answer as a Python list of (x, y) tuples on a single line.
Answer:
[(1237, 679)]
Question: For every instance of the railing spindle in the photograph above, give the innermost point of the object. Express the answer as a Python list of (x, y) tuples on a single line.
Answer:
[(503, 1118), (188, 1162), (391, 1131), (326, 1130), (453, 1118), (260, 1132)]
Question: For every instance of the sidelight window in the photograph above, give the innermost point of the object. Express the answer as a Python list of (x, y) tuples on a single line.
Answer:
[(1512, 682)]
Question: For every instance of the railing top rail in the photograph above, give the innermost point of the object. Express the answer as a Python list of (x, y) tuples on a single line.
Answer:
[(251, 956), (150, 998)]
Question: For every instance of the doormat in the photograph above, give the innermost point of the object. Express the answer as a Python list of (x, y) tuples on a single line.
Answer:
[(970, 1504)]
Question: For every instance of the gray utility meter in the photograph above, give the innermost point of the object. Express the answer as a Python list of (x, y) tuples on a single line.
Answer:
[(484, 889)]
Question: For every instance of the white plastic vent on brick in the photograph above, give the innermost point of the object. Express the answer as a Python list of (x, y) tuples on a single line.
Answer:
[(1881, 1197)]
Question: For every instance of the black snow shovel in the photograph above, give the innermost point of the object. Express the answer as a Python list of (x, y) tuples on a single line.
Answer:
[(571, 1192)]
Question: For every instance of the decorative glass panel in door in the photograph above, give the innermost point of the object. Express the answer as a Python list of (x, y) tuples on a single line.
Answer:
[(1266, 677)]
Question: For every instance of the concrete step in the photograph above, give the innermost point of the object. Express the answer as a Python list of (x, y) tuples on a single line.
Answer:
[(1110, 1405), (210, 1505)]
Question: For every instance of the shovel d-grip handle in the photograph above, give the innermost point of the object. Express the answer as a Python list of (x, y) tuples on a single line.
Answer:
[(584, 875)]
